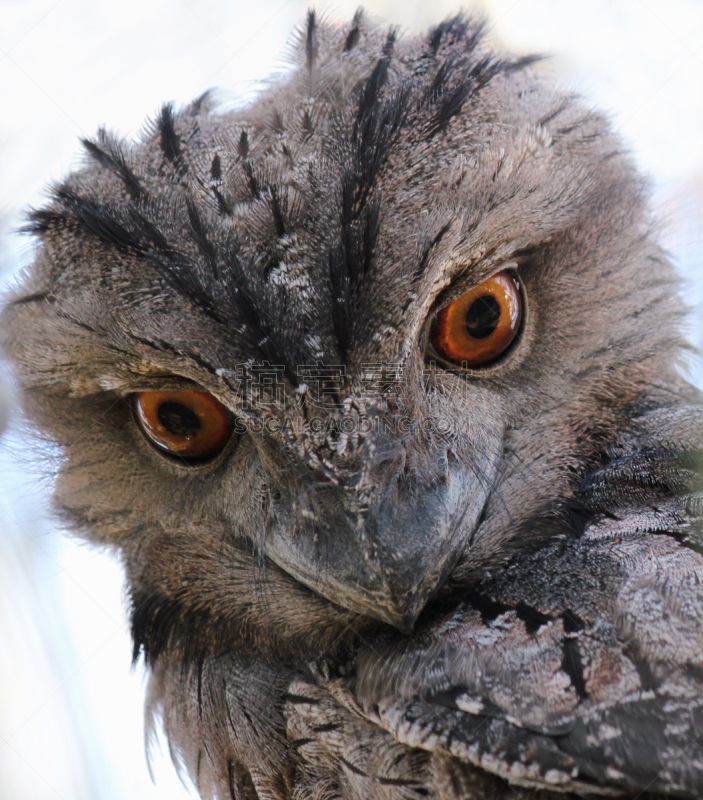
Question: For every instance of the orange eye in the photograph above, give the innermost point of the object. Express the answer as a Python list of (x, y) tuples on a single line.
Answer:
[(186, 423), (477, 327)]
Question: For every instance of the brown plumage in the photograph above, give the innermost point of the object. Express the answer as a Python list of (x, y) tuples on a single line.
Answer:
[(361, 565)]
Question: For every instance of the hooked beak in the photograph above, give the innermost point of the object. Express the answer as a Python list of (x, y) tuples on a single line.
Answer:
[(387, 561)]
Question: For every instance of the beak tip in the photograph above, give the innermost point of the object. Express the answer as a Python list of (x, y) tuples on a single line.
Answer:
[(403, 614)]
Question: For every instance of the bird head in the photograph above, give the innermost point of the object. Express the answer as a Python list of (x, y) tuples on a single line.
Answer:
[(314, 362)]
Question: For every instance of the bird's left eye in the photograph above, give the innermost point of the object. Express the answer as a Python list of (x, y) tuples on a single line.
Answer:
[(186, 423), (479, 326)]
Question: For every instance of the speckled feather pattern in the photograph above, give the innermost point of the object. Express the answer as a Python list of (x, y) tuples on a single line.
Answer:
[(557, 644)]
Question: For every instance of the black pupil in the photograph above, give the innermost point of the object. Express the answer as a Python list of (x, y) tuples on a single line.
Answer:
[(483, 316), (179, 419)]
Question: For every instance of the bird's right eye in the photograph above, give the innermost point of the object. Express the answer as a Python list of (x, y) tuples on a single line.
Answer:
[(186, 423)]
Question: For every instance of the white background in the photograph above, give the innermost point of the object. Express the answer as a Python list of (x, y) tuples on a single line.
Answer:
[(70, 705)]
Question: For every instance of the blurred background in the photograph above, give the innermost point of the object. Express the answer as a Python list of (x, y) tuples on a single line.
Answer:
[(71, 722)]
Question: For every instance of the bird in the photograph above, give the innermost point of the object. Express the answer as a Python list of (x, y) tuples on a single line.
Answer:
[(372, 386)]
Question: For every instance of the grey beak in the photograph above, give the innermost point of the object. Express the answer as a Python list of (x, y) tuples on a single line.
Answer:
[(384, 562)]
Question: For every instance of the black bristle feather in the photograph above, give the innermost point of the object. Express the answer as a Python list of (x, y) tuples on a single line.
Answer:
[(36, 297), (112, 158), (454, 84), (42, 220), (307, 125), (223, 207), (452, 30), (251, 180), (243, 145), (200, 237), (389, 44), (96, 219), (310, 44), (522, 63), (352, 38), (216, 168), (371, 88), (276, 212), (169, 140), (309, 38)]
